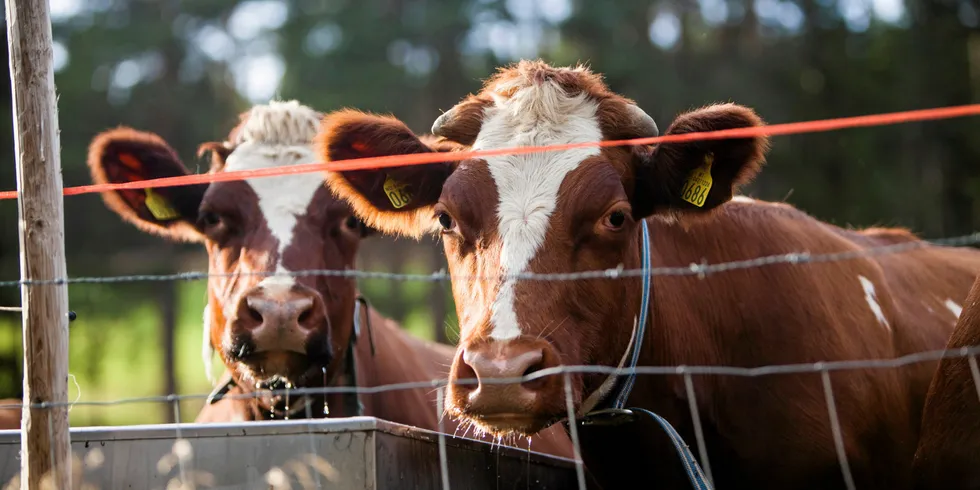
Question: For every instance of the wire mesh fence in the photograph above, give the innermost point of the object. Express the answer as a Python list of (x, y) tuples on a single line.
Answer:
[(195, 459), (306, 453), (303, 453)]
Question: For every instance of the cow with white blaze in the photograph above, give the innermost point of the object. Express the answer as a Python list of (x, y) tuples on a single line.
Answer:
[(279, 331), (587, 208)]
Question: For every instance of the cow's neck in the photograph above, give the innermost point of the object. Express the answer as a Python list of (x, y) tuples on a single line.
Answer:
[(614, 392), (348, 374), (617, 406)]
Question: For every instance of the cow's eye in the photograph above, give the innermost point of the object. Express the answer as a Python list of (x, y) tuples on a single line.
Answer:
[(352, 222), (216, 226), (615, 220), (209, 219), (446, 221)]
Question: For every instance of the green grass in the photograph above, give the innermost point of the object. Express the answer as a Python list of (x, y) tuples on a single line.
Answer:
[(115, 349)]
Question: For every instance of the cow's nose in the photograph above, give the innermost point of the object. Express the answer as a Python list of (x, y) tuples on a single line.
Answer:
[(491, 363), (284, 313), (519, 362), (280, 318)]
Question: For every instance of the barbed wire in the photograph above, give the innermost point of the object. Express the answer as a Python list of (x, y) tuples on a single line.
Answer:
[(698, 269), (749, 372)]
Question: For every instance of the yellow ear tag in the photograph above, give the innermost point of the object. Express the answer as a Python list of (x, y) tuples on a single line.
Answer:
[(396, 193), (159, 207), (698, 184)]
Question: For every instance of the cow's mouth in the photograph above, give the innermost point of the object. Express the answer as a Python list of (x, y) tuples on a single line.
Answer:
[(274, 383), (279, 368), (285, 394), (285, 370)]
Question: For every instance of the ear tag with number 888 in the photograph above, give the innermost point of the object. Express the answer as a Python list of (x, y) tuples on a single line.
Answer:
[(397, 193), (698, 184)]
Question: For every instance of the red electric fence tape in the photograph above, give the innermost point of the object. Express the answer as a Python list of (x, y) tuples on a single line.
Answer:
[(417, 159)]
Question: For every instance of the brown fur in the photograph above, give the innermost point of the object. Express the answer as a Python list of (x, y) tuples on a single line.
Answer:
[(766, 432), (10, 417), (950, 442), (241, 241)]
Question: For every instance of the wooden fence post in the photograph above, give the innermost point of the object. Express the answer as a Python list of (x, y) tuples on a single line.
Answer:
[(45, 449)]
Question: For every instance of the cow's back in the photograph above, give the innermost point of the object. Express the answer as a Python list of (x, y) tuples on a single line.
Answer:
[(772, 314), (949, 445), (928, 287)]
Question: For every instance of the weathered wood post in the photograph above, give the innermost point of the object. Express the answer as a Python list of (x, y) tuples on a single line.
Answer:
[(45, 450)]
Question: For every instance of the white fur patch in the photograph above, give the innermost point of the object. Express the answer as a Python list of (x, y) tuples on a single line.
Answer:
[(955, 308), (528, 184), (276, 135), (743, 199), (207, 351), (870, 297)]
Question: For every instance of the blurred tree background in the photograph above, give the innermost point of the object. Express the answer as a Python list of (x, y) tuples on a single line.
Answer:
[(185, 70)]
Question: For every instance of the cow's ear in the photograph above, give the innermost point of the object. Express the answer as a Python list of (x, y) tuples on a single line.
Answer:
[(395, 200), (125, 155), (219, 152), (699, 176)]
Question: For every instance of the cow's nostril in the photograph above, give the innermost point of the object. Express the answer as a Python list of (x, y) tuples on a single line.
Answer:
[(465, 378), (536, 382), (305, 316), (254, 314), (533, 368)]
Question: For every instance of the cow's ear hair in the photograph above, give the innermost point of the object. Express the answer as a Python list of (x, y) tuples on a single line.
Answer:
[(124, 155), (396, 200), (218, 152), (696, 177)]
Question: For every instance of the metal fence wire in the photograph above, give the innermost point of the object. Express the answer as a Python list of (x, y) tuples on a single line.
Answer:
[(312, 470)]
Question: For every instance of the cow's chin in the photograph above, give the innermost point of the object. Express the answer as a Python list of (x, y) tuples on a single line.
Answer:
[(506, 425)]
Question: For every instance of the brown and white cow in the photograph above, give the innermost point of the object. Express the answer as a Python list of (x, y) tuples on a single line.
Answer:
[(277, 331), (949, 444), (580, 210)]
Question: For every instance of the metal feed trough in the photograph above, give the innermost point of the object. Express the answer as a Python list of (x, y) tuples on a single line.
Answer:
[(346, 453)]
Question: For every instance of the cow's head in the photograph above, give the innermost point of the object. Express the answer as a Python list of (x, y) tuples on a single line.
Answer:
[(551, 212), (267, 329)]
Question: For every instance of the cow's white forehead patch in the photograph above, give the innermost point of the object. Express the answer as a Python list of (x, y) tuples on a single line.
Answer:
[(527, 185), (276, 135)]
